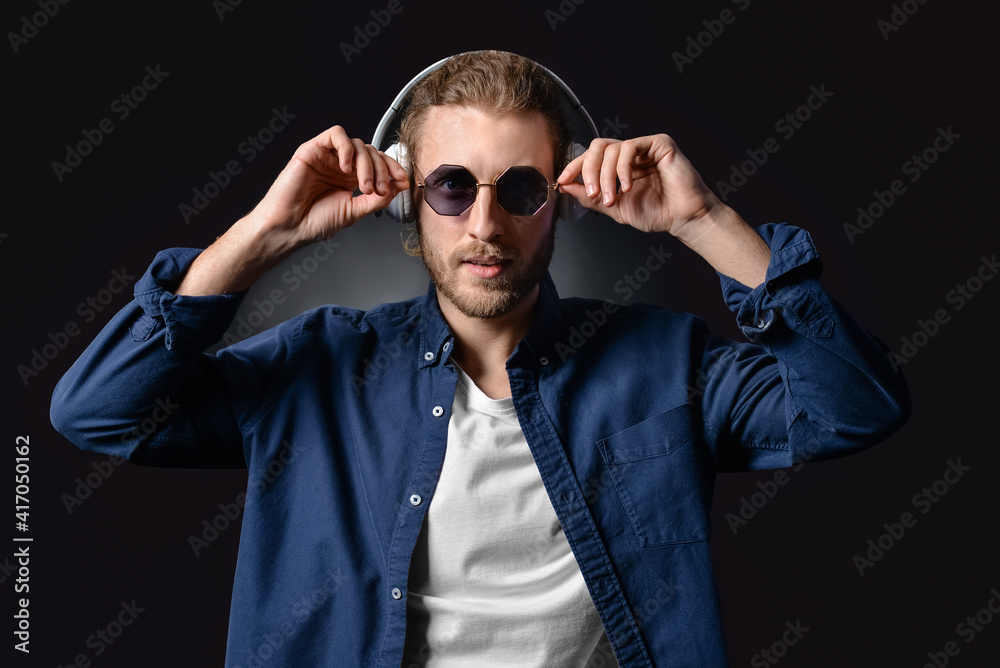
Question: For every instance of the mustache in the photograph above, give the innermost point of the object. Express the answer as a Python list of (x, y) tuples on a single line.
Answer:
[(479, 249)]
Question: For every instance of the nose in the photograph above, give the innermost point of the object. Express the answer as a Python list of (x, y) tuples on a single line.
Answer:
[(486, 218)]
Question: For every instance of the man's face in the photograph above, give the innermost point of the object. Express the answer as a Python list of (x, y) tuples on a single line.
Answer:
[(454, 248)]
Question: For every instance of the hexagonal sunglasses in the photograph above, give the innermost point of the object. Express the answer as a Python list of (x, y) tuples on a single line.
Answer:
[(520, 191)]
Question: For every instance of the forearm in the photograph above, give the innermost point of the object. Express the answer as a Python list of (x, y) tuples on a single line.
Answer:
[(729, 244), (236, 260)]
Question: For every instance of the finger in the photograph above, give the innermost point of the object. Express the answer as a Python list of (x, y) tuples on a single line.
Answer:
[(592, 166), (363, 165), (572, 170), (396, 170), (578, 191), (335, 139), (626, 159), (380, 172), (608, 172), (396, 178)]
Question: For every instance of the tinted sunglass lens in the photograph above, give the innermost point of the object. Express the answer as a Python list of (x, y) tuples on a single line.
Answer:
[(450, 190), (522, 191)]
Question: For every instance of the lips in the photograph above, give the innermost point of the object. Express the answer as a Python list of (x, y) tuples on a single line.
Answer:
[(485, 267), (483, 261)]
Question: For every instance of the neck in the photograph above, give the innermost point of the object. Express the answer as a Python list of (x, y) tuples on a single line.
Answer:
[(482, 345)]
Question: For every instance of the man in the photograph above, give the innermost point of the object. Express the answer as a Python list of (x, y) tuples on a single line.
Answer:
[(505, 491)]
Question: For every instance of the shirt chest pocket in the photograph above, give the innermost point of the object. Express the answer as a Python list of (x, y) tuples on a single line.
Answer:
[(659, 475)]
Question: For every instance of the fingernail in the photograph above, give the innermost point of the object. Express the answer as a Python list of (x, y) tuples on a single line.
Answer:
[(607, 198), (591, 189)]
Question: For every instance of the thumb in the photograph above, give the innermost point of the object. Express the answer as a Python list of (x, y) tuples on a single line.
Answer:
[(579, 192)]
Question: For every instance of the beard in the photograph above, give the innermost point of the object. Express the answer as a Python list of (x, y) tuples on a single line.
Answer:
[(486, 297)]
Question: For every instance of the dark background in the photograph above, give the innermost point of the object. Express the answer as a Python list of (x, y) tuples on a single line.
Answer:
[(793, 561)]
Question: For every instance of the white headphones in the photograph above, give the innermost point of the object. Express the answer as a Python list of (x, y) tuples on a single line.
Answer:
[(402, 208)]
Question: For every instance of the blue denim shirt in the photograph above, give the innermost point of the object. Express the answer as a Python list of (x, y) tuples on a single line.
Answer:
[(341, 418)]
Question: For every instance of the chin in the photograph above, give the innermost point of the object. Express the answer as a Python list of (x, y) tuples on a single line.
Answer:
[(484, 300)]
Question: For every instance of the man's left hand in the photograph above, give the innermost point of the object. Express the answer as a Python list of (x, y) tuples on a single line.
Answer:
[(660, 189), (662, 192)]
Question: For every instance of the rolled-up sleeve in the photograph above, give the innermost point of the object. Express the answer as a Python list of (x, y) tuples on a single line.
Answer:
[(145, 389), (810, 383)]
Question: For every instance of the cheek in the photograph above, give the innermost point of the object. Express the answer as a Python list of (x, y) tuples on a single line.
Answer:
[(537, 233), (435, 233)]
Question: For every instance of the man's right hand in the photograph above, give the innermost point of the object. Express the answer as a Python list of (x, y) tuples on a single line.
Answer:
[(312, 199)]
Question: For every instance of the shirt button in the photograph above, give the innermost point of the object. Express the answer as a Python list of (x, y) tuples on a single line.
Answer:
[(438, 411), (447, 345), (428, 356), (396, 594), (543, 361), (415, 499)]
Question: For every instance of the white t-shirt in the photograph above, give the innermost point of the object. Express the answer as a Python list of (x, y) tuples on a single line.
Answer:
[(493, 581)]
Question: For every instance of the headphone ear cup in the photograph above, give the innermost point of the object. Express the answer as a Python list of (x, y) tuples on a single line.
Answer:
[(569, 209), (401, 208)]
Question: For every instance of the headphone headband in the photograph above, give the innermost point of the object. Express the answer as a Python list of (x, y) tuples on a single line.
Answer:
[(570, 103)]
